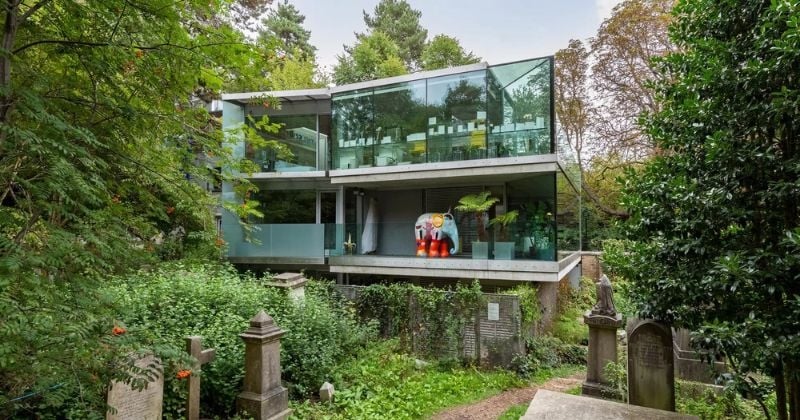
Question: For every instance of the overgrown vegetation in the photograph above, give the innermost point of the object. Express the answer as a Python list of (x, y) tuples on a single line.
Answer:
[(163, 306), (572, 304), (384, 383)]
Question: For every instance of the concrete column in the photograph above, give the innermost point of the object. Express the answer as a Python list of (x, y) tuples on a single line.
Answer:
[(263, 396)]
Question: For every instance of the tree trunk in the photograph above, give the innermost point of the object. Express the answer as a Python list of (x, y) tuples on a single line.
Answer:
[(794, 391), (780, 391), (9, 36)]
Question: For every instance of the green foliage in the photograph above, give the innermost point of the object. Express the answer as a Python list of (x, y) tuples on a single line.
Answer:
[(477, 204), (163, 306), (715, 216), (383, 383), (572, 304), (430, 322), (445, 51), (617, 375), (504, 221), (400, 22), (284, 25), (528, 305), (545, 353), (374, 56), (709, 405), (514, 412)]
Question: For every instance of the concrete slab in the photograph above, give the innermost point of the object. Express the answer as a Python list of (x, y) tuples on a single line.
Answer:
[(548, 405)]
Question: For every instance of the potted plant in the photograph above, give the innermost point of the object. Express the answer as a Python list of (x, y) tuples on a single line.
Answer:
[(503, 249), (478, 204), (539, 229)]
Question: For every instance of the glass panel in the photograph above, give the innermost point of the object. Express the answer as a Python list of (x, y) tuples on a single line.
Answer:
[(519, 108), (569, 212), (287, 206), (324, 142), (281, 240), (456, 124), (400, 124), (299, 134), (534, 232), (352, 130)]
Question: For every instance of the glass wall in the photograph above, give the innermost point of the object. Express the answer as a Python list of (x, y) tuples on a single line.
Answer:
[(502, 111), (287, 206), (400, 124), (568, 206), (353, 129), (457, 117), (299, 134), (519, 108)]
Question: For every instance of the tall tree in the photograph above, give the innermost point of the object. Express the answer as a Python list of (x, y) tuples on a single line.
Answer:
[(622, 53), (445, 51), (400, 23), (374, 56), (284, 26), (716, 215), (97, 140)]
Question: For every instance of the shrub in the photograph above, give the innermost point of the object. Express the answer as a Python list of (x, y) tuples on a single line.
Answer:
[(547, 352), (176, 300)]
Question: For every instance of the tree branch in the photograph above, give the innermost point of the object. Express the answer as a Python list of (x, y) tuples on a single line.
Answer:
[(622, 214), (68, 42), (33, 10)]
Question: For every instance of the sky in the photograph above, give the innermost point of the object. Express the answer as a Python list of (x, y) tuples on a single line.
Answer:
[(497, 31)]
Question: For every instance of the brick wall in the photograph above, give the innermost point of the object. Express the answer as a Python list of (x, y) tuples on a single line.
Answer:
[(590, 261)]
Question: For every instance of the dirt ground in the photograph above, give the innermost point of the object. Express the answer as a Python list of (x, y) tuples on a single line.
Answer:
[(493, 407)]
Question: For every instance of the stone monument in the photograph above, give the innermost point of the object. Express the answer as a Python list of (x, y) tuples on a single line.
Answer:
[(194, 347), (293, 283), (133, 404), (603, 321), (263, 396), (326, 392), (651, 367)]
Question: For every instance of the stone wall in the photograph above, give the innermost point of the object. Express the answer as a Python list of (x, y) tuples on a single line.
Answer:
[(499, 330)]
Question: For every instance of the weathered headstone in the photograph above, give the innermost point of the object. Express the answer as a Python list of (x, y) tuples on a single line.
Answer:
[(326, 392), (691, 365), (194, 347), (293, 283), (263, 396), (603, 321), (651, 374), (131, 404)]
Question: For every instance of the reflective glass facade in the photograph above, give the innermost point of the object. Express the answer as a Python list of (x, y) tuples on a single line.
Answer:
[(301, 135), (501, 111)]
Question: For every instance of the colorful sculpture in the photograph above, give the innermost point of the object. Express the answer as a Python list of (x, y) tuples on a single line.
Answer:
[(437, 235)]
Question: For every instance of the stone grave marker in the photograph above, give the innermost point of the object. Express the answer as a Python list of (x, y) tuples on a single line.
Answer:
[(194, 347), (603, 322), (131, 404), (651, 367), (326, 392)]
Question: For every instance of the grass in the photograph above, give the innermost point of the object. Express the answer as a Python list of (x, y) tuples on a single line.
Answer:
[(515, 412), (383, 383)]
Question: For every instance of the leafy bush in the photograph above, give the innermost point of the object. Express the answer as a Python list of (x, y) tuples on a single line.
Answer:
[(546, 352), (572, 304), (177, 300), (383, 383)]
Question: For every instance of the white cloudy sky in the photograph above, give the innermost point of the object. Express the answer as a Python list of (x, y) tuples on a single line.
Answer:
[(497, 31)]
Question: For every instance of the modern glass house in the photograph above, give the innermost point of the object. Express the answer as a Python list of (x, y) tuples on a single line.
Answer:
[(367, 159)]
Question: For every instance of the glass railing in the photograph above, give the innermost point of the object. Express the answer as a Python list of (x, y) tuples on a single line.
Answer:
[(518, 241), (306, 240)]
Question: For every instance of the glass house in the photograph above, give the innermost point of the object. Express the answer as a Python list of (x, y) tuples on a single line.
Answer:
[(350, 169)]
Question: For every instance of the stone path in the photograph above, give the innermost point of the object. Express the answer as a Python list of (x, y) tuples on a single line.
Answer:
[(493, 407)]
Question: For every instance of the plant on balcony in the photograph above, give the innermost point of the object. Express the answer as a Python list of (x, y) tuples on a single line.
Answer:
[(503, 249), (539, 229), (478, 204)]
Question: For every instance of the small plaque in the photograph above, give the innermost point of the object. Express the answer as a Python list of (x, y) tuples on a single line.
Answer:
[(494, 311)]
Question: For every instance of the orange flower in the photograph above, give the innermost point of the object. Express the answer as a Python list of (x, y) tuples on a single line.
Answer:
[(183, 374), (220, 242), (170, 210), (118, 330)]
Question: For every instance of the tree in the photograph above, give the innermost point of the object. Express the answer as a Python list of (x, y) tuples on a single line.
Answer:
[(445, 51), (623, 68), (284, 26), (373, 57), (98, 137), (400, 23), (716, 213)]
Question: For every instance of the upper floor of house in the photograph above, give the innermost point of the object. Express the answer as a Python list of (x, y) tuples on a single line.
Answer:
[(468, 118)]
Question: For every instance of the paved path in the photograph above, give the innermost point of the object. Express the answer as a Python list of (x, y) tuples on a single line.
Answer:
[(493, 407)]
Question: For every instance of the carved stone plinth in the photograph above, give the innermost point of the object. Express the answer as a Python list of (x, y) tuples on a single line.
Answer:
[(263, 396), (293, 283), (602, 350)]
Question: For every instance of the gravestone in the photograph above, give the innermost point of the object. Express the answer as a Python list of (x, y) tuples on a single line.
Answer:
[(131, 404), (263, 397), (194, 347), (691, 365), (326, 392), (603, 321), (651, 367), (293, 283)]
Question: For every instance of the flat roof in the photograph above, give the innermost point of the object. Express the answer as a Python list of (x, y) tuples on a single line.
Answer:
[(325, 93)]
